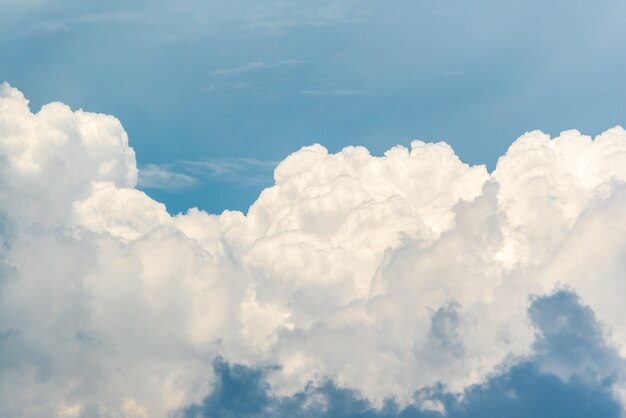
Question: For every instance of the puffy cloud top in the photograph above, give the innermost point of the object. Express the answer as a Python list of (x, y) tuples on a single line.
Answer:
[(388, 275), (50, 158)]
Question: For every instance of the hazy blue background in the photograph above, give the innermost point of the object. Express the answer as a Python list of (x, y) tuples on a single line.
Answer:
[(213, 93)]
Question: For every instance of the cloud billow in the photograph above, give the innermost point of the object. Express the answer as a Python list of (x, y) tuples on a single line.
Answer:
[(525, 390), (408, 283)]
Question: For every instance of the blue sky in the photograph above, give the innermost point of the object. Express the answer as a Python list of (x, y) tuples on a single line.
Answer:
[(220, 91)]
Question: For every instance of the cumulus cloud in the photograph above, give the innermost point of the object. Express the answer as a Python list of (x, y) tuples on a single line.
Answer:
[(386, 276), (51, 158), (525, 390)]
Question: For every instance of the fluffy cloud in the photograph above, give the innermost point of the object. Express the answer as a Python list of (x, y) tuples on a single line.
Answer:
[(387, 275), (50, 159), (566, 333)]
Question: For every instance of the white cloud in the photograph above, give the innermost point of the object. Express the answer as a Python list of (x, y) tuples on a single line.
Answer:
[(50, 158), (386, 274)]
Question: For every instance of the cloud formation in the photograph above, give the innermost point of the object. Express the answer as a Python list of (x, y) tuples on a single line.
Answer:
[(525, 390), (385, 276)]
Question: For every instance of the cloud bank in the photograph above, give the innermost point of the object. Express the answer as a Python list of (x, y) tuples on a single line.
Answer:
[(526, 390), (409, 279)]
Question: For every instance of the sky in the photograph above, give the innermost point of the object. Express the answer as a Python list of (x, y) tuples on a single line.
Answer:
[(220, 91), (337, 209)]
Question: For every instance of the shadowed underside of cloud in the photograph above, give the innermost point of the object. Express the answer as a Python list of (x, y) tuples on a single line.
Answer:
[(568, 333), (523, 392), (399, 285)]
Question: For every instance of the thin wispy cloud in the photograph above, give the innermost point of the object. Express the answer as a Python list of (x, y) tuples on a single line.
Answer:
[(23, 4), (463, 71), (243, 171), (62, 25), (283, 15), (187, 174), (272, 18), (48, 27), (162, 177), (258, 65), (107, 17), (333, 93), (239, 85), (175, 23)]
